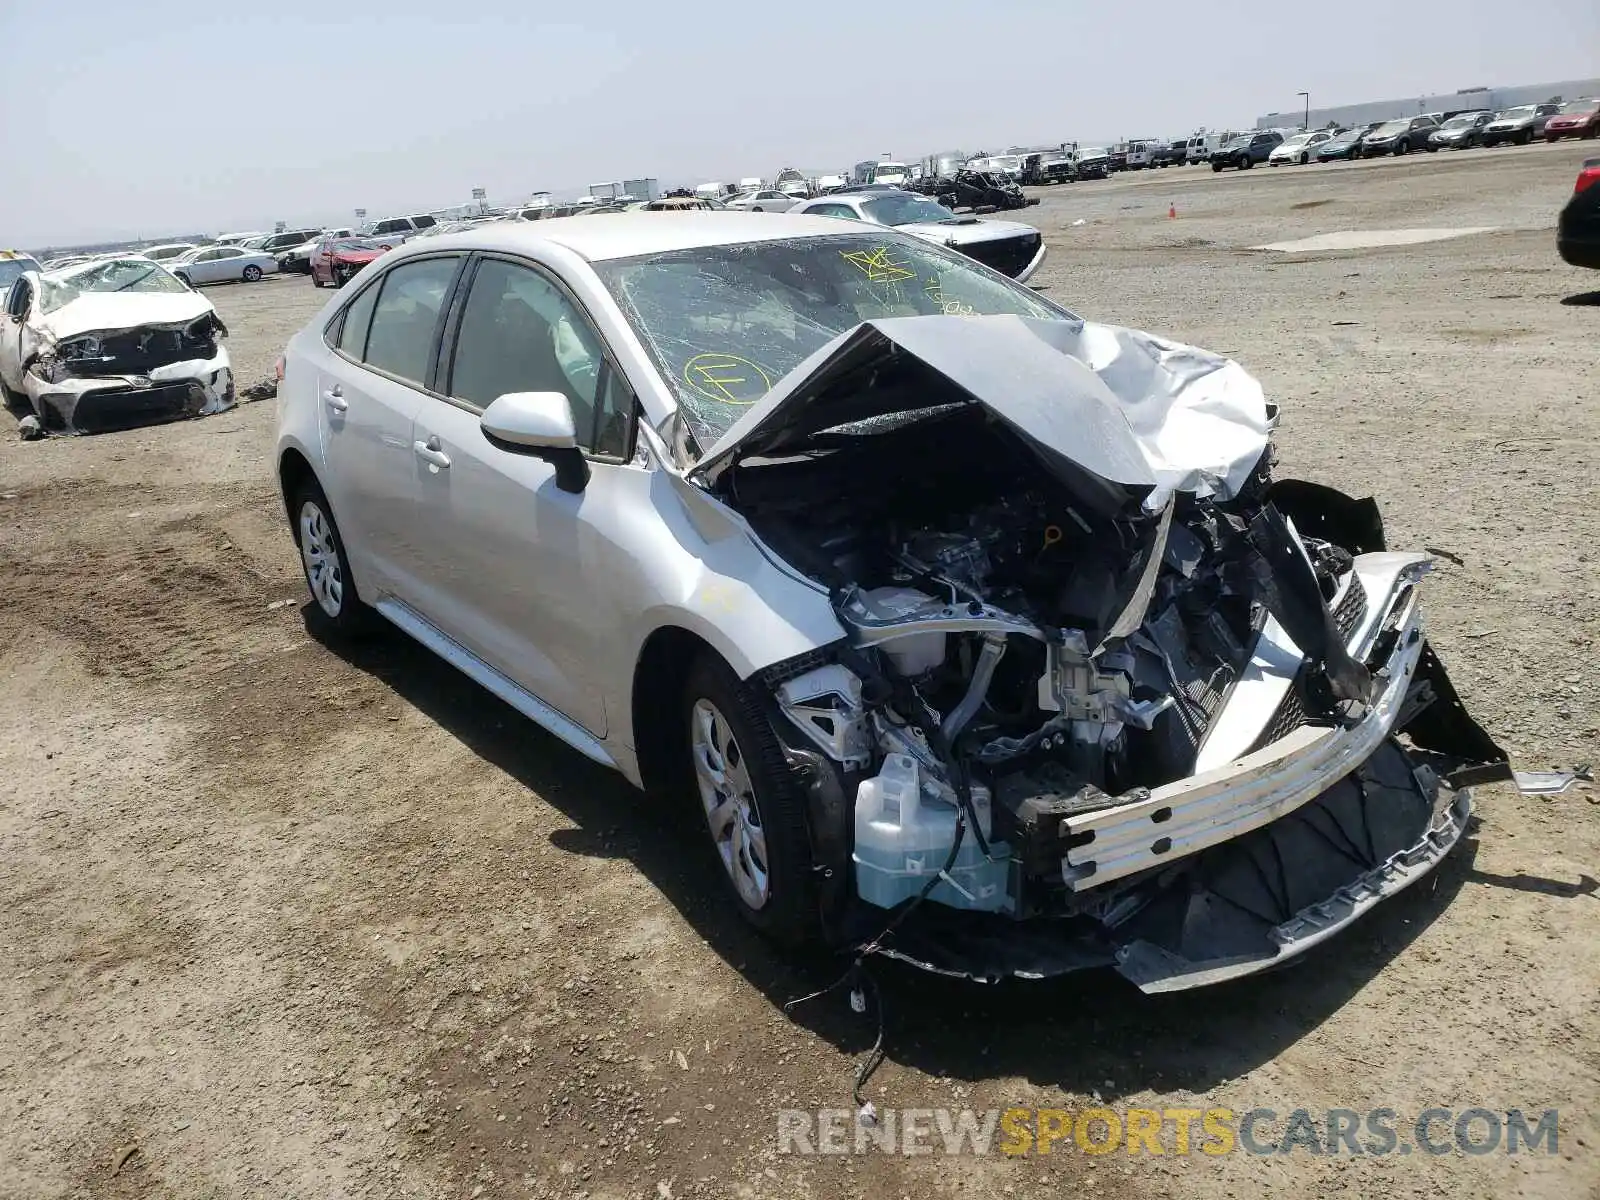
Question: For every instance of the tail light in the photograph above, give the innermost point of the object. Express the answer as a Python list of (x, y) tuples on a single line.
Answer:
[(1588, 177), (277, 369)]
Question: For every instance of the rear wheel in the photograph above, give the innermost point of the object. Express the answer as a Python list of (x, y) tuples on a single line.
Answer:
[(1246, 162), (753, 808), (339, 609), (252, 273)]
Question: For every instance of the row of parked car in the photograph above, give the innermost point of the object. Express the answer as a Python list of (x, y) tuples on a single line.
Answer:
[(1402, 135)]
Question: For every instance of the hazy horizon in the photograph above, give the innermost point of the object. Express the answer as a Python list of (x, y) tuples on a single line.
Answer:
[(166, 118)]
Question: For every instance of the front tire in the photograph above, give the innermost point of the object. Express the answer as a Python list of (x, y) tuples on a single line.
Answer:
[(337, 607), (754, 811), (252, 273)]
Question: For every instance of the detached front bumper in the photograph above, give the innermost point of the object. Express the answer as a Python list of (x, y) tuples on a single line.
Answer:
[(72, 404), (1204, 810), (1243, 868)]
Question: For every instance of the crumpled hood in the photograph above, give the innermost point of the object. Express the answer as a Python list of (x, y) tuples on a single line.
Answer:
[(1126, 406), (93, 312)]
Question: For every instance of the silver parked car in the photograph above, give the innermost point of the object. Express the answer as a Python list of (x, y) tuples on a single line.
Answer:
[(955, 611), (222, 264), (1010, 247)]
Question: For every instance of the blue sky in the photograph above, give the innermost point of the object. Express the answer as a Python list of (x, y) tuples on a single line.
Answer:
[(159, 117)]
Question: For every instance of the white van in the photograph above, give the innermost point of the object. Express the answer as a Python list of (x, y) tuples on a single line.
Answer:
[(1201, 146)]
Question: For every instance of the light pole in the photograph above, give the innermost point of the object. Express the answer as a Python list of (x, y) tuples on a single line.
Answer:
[(1307, 97)]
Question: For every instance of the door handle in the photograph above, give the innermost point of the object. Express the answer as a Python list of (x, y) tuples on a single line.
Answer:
[(334, 398), (430, 453)]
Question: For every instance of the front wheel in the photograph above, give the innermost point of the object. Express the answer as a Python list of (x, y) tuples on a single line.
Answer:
[(183, 279), (1524, 137), (252, 273), (754, 812), (1217, 167), (339, 609)]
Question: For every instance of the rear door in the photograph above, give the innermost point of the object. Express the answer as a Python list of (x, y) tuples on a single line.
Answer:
[(380, 351), (518, 586)]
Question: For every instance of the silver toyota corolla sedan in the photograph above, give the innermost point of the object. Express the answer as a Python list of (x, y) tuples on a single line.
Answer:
[(983, 633)]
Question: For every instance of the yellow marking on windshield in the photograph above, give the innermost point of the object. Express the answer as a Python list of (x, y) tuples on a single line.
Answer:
[(878, 266), (727, 378)]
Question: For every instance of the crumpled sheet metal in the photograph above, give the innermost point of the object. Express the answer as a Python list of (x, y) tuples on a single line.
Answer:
[(213, 375), (1127, 406)]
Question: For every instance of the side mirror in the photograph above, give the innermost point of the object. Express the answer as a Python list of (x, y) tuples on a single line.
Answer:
[(538, 424)]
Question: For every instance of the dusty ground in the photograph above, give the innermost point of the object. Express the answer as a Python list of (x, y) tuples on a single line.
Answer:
[(284, 923)]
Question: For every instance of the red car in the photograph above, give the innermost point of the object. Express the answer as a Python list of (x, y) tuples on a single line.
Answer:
[(336, 262), (1577, 118)]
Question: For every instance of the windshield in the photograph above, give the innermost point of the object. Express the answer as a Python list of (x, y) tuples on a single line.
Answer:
[(1517, 113), (115, 275), (725, 323), (342, 245), (1389, 127), (10, 268), (1460, 122), (1581, 106), (902, 208), (1299, 139)]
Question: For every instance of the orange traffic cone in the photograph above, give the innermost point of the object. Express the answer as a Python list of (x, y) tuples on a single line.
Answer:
[(1172, 212)]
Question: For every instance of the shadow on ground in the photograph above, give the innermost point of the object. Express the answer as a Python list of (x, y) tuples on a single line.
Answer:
[(1581, 299), (1082, 1033)]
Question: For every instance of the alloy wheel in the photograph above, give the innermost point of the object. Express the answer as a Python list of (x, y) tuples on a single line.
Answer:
[(319, 551), (726, 793)]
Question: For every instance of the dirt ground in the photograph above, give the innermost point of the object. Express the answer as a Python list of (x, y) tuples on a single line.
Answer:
[(284, 922)]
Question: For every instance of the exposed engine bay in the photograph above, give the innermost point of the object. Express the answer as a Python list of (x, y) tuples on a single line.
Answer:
[(1062, 699)]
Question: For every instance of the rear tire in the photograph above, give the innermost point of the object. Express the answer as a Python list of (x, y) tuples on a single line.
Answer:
[(252, 273), (337, 608), (754, 812)]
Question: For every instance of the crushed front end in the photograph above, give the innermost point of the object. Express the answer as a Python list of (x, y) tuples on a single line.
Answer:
[(1188, 730), (104, 380)]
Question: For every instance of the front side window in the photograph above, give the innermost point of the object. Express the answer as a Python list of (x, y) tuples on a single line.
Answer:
[(521, 333), (406, 315), (725, 323)]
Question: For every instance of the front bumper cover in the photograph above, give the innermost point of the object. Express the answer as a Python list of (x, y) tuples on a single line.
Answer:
[(72, 404)]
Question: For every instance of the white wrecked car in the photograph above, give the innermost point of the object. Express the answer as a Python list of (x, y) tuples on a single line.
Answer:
[(983, 633), (110, 344)]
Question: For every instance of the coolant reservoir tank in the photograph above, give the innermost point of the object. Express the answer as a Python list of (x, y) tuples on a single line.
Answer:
[(915, 653)]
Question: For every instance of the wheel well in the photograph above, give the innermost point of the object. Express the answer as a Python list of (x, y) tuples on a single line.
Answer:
[(658, 682), (293, 470)]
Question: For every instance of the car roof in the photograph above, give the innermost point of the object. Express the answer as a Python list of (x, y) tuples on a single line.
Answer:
[(602, 236)]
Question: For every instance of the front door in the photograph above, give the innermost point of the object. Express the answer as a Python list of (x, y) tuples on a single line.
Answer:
[(517, 587), (369, 387)]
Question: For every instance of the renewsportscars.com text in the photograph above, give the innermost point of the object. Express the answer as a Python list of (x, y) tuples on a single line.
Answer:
[(1018, 1132)]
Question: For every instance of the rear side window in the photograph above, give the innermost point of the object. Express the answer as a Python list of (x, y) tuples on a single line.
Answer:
[(357, 320), (406, 315), (423, 222)]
